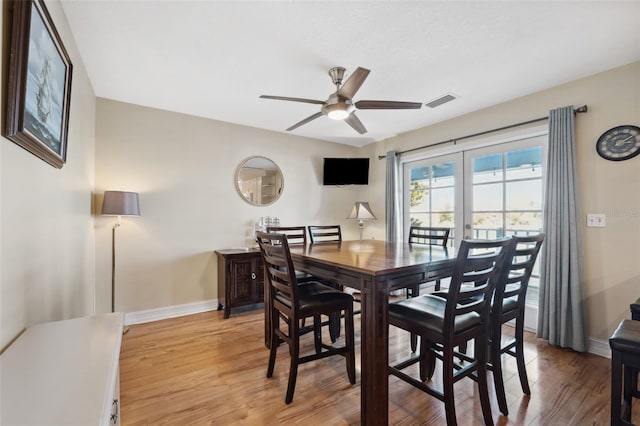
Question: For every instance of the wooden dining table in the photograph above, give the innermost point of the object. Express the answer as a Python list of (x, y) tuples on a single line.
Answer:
[(374, 268)]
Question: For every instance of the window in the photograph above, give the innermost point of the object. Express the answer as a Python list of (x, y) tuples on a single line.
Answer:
[(482, 192)]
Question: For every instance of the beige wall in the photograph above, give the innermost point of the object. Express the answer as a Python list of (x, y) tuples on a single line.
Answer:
[(183, 167), (46, 227), (611, 254)]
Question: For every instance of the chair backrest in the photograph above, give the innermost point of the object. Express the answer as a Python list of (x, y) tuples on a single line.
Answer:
[(476, 271), (295, 234), (429, 235), (511, 291), (281, 277), (325, 234)]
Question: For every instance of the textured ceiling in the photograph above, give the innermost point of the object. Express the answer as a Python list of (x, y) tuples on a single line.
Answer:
[(214, 58)]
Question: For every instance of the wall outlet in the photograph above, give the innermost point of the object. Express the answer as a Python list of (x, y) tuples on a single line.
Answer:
[(596, 220)]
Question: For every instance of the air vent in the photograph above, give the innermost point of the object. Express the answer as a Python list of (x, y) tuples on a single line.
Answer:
[(441, 100)]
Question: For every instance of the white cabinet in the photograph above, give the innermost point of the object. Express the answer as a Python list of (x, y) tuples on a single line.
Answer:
[(63, 373)]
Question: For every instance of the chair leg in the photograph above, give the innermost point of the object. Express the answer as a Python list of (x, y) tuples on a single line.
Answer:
[(496, 365), (413, 291), (616, 387), (481, 357), (317, 333), (414, 342), (427, 364), (628, 400), (294, 350), (447, 385), (350, 344), (522, 369), (437, 286), (334, 326), (273, 347)]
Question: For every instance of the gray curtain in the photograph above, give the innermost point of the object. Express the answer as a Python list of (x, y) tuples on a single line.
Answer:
[(561, 318), (393, 198)]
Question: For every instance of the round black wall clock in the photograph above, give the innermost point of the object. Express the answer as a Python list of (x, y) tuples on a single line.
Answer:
[(619, 143)]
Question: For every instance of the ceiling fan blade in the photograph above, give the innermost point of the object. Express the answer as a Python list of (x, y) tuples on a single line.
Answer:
[(353, 83), (355, 122), (387, 105), (305, 121), (286, 98)]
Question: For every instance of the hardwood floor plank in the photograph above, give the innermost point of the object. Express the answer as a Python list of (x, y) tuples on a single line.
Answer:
[(202, 369)]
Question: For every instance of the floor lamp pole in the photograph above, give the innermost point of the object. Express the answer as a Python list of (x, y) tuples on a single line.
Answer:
[(113, 267)]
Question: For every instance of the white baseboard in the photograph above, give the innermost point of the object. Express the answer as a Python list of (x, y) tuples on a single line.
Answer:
[(599, 347), (149, 315)]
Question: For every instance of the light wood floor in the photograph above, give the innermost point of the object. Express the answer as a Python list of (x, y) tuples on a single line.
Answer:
[(202, 369)]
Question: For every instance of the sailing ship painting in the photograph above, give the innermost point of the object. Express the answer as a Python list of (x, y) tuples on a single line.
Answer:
[(45, 85)]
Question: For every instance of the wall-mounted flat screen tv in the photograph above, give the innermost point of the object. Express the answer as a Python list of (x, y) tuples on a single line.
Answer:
[(346, 171)]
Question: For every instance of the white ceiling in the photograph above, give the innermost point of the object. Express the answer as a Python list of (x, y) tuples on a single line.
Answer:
[(214, 58)]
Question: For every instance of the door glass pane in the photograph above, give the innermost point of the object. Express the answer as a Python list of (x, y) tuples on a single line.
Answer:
[(524, 195), (431, 195), (419, 219), (487, 226), (487, 168), (442, 199), (523, 223), (524, 163), (443, 175), (487, 197)]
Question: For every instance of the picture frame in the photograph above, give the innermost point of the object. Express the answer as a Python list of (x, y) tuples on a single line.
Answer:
[(38, 84)]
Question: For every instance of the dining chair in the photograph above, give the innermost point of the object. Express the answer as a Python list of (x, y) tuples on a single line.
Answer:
[(325, 234), (297, 235), (508, 304), (430, 236), (290, 302), (445, 323), (330, 234)]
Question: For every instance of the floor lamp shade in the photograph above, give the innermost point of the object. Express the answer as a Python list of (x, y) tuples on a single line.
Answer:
[(120, 203)]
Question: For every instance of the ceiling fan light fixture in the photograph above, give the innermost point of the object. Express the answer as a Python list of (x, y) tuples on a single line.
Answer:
[(338, 111)]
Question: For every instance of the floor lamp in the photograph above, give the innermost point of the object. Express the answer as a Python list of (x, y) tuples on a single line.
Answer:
[(361, 211), (118, 203)]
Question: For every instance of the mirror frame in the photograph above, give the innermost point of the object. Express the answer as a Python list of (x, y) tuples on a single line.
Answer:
[(237, 180)]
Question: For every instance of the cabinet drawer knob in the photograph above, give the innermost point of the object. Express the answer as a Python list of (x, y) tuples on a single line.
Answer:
[(253, 275)]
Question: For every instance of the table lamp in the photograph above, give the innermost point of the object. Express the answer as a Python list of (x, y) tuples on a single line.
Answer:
[(361, 211)]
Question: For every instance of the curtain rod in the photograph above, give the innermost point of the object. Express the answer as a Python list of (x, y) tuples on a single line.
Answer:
[(581, 109)]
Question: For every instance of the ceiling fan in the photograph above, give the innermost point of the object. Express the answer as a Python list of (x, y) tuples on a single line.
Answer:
[(340, 105)]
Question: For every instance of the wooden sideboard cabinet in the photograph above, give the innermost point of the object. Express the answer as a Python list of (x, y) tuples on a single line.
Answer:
[(63, 373), (240, 279)]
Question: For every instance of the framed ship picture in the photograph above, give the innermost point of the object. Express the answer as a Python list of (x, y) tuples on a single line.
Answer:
[(39, 84)]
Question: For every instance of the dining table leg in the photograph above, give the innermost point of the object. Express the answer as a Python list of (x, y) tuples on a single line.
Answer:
[(374, 398)]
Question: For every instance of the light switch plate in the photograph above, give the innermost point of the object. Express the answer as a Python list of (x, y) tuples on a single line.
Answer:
[(596, 220)]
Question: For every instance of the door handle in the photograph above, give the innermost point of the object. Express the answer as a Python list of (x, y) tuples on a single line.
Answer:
[(253, 275)]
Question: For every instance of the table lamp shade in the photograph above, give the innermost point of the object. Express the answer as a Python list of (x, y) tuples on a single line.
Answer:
[(361, 211), (120, 203)]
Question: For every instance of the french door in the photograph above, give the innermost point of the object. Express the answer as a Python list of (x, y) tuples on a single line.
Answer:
[(486, 192)]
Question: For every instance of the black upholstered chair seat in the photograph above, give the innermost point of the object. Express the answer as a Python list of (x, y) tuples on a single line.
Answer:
[(315, 296), (427, 312), (626, 338)]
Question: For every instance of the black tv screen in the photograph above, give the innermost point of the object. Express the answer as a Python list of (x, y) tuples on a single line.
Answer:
[(346, 171)]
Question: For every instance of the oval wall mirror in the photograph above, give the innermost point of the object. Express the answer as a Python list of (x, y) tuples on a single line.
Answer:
[(259, 181)]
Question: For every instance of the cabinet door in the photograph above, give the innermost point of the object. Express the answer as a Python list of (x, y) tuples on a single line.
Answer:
[(260, 283), (243, 272)]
